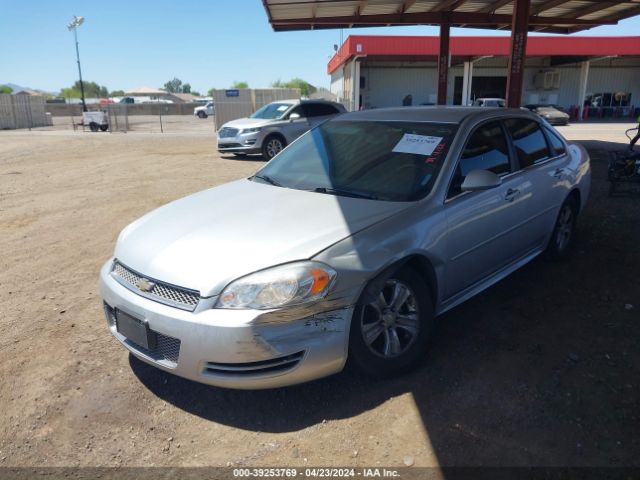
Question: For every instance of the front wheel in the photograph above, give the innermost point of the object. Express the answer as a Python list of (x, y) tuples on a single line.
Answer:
[(94, 127), (202, 114), (272, 146), (562, 236), (391, 331), (104, 128)]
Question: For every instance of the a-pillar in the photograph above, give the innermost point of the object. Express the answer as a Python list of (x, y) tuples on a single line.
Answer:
[(443, 64), (519, 32)]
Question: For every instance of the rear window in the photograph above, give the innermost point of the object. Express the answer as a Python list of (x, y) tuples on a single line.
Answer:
[(556, 142), (528, 140)]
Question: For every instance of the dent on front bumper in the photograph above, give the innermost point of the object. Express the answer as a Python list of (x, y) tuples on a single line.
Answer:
[(232, 348)]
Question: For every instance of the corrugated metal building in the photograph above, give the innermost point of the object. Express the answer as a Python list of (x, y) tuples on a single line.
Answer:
[(600, 72)]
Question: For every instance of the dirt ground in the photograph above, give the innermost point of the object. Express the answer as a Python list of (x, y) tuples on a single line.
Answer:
[(541, 370)]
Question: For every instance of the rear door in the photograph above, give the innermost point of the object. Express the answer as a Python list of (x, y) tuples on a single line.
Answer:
[(486, 230), (543, 160)]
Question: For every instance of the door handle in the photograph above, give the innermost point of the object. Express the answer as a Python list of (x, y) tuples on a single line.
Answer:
[(511, 194)]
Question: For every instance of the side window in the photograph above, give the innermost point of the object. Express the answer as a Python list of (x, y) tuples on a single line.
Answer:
[(556, 143), (528, 141), (486, 150), (299, 110), (319, 109)]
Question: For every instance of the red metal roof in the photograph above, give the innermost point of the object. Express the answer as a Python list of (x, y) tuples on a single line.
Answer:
[(395, 46)]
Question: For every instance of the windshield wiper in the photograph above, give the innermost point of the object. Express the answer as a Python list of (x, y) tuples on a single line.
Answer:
[(267, 179), (344, 193)]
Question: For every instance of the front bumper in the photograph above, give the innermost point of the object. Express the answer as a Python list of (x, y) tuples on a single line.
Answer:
[(232, 348), (241, 143)]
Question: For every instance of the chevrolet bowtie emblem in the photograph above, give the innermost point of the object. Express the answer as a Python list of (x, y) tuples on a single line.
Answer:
[(145, 285)]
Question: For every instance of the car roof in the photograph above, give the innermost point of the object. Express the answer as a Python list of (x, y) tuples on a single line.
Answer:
[(438, 114), (292, 101)]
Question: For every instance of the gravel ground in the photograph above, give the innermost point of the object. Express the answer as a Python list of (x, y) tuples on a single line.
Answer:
[(540, 370)]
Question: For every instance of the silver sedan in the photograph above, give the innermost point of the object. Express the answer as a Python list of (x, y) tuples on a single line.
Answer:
[(345, 247)]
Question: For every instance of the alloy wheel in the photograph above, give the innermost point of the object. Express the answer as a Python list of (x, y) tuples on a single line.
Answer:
[(391, 323)]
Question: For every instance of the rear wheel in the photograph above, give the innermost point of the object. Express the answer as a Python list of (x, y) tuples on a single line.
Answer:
[(94, 126), (390, 333), (272, 146), (561, 238)]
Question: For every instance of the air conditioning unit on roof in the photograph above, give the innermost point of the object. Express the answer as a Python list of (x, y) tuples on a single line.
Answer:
[(547, 80)]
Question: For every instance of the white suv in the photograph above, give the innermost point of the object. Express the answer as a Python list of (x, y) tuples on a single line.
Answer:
[(274, 126)]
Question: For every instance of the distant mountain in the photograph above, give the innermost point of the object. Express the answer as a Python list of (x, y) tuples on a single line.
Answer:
[(15, 87)]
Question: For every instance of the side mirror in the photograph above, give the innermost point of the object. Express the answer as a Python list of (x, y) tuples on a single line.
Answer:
[(480, 180), (294, 116)]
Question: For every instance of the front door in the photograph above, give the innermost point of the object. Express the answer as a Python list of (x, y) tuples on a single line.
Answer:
[(486, 230)]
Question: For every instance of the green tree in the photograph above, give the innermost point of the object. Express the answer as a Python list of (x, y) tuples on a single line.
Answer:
[(186, 88), (305, 87), (174, 86), (237, 84), (195, 94), (5, 89), (211, 91), (91, 90), (117, 93)]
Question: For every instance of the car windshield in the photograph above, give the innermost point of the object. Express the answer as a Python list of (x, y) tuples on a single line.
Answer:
[(271, 111), (379, 160)]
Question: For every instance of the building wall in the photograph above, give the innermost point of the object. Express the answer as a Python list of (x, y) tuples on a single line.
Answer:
[(387, 83)]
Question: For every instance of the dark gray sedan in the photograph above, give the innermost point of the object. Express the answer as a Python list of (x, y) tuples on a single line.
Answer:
[(344, 247)]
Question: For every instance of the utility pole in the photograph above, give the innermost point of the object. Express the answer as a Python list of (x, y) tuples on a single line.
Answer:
[(73, 25)]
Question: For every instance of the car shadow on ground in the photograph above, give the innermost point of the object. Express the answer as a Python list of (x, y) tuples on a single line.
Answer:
[(540, 369), (243, 156)]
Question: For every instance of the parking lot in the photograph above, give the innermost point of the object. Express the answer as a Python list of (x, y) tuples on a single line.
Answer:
[(540, 370)]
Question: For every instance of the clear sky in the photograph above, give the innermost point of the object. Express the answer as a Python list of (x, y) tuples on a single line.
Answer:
[(208, 43)]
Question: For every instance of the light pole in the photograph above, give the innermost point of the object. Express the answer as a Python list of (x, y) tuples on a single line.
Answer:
[(73, 26)]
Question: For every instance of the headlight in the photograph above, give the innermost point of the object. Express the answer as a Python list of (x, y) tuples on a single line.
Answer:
[(250, 130), (286, 285)]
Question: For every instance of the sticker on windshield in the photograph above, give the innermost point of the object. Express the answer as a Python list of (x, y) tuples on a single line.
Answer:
[(417, 144), (282, 108)]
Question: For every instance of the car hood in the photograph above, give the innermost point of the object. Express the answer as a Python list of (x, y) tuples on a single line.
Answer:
[(248, 122), (208, 239), (551, 112)]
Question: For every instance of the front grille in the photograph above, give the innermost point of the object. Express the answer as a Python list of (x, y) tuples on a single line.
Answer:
[(222, 146), (161, 292), (275, 365), (227, 132), (167, 348)]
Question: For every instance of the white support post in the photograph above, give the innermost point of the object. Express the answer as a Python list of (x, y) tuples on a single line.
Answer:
[(356, 88), (467, 79), (582, 89)]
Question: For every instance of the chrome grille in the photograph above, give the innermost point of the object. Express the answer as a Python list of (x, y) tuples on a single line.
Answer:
[(227, 132), (161, 292)]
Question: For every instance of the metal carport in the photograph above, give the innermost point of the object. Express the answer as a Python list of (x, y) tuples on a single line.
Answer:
[(521, 16)]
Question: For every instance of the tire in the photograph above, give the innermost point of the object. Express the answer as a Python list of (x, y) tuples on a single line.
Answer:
[(379, 345), (271, 146), (202, 114), (94, 126), (104, 128), (563, 232)]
